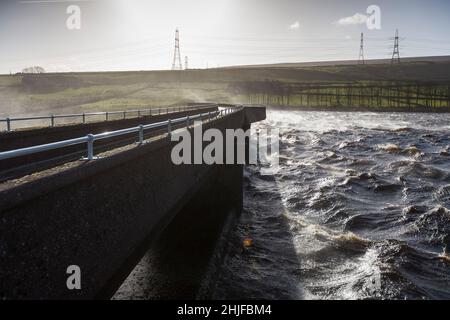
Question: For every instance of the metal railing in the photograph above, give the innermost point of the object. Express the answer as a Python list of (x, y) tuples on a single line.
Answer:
[(126, 114), (91, 138)]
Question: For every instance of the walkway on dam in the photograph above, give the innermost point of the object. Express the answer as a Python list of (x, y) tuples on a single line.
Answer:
[(27, 137)]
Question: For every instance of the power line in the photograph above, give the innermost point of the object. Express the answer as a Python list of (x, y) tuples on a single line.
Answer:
[(235, 48)]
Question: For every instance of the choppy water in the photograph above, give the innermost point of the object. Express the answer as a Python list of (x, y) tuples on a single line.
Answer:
[(359, 210)]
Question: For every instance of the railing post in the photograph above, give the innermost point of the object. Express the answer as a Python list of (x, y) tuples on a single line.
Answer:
[(141, 134), (209, 116), (53, 120), (124, 115), (187, 122), (90, 146), (139, 113), (169, 127), (8, 124), (84, 118), (107, 116)]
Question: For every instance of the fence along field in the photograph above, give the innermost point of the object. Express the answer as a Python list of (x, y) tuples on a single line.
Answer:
[(370, 95)]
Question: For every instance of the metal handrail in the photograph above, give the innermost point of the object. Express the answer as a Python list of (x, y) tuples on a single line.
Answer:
[(139, 113), (91, 138)]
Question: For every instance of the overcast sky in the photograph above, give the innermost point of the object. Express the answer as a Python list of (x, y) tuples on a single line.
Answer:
[(139, 34)]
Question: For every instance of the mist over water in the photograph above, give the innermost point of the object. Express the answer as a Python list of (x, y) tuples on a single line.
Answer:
[(358, 210)]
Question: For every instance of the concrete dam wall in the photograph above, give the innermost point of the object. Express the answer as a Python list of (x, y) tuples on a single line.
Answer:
[(104, 215)]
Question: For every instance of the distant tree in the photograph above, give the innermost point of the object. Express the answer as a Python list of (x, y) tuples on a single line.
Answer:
[(34, 70)]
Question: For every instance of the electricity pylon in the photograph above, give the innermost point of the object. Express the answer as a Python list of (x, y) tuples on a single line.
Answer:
[(176, 65), (396, 53), (361, 51)]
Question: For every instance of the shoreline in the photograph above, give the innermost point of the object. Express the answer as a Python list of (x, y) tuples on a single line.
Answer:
[(362, 109)]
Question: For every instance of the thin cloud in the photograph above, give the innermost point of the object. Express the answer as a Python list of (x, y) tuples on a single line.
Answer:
[(52, 1), (356, 19), (295, 25)]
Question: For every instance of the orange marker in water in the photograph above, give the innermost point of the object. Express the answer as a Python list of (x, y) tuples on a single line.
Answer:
[(247, 243)]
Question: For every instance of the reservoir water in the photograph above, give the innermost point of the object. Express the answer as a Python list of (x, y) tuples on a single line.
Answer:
[(360, 209)]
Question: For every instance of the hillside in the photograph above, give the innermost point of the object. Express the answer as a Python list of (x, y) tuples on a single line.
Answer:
[(80, 92)]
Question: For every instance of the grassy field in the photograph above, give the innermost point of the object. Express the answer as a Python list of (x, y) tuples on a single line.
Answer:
[(83, 92)]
